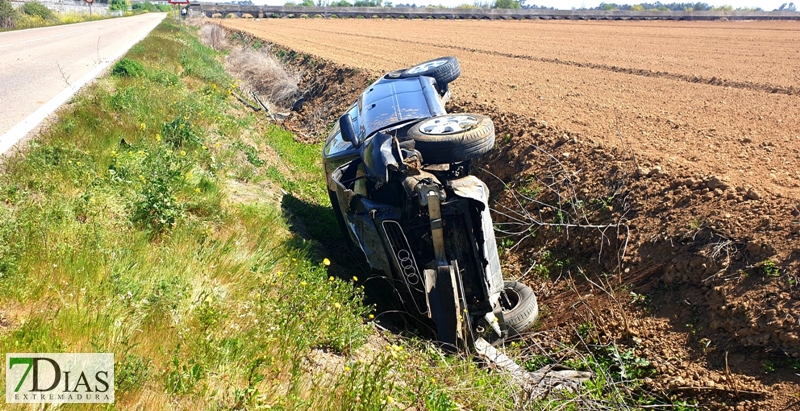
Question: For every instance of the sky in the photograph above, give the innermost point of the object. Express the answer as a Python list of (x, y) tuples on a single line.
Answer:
[(767, 5)]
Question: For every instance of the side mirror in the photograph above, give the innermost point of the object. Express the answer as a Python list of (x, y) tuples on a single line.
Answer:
[(348, 130)]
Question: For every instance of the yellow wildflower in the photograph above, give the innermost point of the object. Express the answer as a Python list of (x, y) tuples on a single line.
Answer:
[(326, 262), (330, 278), (303, 283), (337, 305), (355, 278)]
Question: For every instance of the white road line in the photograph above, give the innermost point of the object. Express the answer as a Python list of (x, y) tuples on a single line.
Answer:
[(20, 130)]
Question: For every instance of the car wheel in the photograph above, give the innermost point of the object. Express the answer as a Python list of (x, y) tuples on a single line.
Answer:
[(520, 309), (443, 69), (453, 137)]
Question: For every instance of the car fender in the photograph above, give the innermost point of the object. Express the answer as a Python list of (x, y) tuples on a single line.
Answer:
[(472, 188)]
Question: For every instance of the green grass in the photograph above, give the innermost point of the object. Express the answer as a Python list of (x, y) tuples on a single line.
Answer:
[(149, 222)]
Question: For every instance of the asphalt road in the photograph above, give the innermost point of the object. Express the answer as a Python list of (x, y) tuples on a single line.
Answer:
[(41, 68)]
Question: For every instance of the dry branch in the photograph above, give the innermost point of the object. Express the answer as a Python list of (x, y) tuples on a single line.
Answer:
[(559, 195)]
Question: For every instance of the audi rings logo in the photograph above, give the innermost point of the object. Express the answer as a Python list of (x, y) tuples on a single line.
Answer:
[(407, 264)]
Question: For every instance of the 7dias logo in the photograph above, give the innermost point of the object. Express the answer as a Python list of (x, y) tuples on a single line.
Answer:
[(60, 378)]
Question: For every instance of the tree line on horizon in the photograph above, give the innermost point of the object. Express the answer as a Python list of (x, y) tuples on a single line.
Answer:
[(698, 6), (521, 4)]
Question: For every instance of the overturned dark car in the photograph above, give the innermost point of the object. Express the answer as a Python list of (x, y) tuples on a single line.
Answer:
[(398, 173)]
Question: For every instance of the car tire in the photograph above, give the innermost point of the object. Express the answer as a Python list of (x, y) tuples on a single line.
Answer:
[(453, 137), (443, 69), (520, 309)]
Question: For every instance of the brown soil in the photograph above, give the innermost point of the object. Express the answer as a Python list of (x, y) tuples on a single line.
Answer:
[(679, 143)]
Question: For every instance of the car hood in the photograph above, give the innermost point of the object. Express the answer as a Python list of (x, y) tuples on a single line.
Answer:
[(392, 101)]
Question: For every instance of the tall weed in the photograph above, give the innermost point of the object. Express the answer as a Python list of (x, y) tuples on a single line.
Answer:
[(262, 73), (8, 15)]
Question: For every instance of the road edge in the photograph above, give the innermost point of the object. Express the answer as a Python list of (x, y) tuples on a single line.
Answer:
[(21, 129)]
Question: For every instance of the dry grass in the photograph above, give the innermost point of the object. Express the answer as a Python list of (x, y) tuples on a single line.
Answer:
[(195, 20), (263, 74), (259, 71), (213, 36)]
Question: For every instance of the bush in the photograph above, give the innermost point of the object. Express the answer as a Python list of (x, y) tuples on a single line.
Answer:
[(35, 9), (150, 7), (8, 16), (118, 5), (180, 133), (158, 207), (146, 6), (128, 68), (507, 4)]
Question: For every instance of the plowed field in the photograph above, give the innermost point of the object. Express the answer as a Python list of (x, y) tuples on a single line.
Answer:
[(689, 133), (695, 96)]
